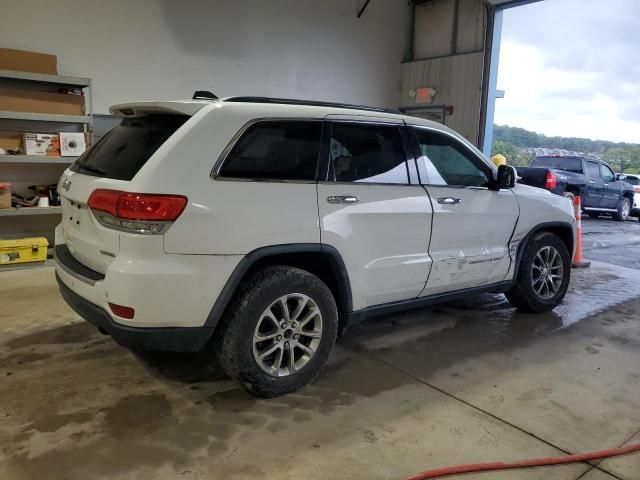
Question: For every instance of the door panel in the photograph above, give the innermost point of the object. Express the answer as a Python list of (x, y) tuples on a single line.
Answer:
[(383, 238), (469, 243), (595, 185), (371, 214), (472, 225), (611, 189)]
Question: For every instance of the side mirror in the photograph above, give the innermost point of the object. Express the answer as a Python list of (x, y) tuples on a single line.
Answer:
[(621, 176), (506, 177)]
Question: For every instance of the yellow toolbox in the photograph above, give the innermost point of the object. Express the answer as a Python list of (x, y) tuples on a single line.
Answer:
[(23, 250)]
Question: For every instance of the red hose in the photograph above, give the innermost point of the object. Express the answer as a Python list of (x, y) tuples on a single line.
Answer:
[(534, 462)]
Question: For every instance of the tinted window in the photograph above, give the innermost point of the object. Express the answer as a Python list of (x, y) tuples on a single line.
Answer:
[(633, 180), (593, 170), (607, 173), (445, 161), (571, 164), (284, 150), (367, 153), (122, 152)]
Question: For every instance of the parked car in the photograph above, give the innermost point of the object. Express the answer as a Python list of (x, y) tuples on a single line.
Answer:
[(600, 190), (268, 226), (634, 181)]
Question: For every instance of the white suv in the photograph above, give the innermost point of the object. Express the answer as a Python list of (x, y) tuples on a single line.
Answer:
[(265, 227)]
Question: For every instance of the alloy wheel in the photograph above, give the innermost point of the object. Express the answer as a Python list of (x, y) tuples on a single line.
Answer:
[(287, 335), (547, 272)]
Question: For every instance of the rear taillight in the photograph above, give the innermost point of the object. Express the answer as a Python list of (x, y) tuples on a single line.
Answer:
[(551, 181), (144, 213)]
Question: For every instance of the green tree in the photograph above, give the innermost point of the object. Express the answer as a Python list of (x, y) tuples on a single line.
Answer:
[(624, 159), (514, 155)]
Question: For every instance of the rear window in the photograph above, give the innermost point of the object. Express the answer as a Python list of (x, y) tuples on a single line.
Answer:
[(570, 164), (276, 150), (122, 152), (632, 180)]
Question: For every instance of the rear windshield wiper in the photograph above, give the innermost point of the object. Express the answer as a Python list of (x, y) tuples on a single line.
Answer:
[(90, 168)]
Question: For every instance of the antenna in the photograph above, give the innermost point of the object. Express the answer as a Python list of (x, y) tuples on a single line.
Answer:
[(203, 95)]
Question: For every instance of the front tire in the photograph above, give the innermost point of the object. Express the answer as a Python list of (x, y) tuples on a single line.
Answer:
[(278, 331), (543, 275), (623, 210)]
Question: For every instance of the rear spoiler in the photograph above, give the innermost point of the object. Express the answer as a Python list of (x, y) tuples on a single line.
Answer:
[(140, 109)]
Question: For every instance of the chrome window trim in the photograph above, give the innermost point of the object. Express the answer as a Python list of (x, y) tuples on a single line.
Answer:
[(215, 171)]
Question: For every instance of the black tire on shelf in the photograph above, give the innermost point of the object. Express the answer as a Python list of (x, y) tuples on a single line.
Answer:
[(624, 206), (234, 341), (523, 295)]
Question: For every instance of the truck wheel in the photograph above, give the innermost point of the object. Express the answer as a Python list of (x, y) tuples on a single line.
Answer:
[(278, 331), (543, 276), (623, 210)]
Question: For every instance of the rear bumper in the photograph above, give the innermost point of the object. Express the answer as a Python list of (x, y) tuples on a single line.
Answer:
[(176, 339)]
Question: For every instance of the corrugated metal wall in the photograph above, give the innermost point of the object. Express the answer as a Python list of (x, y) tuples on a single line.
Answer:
[(449, 38), (458, 82)]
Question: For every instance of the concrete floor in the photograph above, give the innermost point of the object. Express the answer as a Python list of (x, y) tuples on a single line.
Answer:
[(463, 382)]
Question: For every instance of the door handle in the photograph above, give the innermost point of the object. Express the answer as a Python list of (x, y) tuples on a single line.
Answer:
[(591, 182), (342, 199), (449, 200)]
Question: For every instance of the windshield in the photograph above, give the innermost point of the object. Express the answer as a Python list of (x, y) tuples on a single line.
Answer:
[(571, 164), (122, 152)]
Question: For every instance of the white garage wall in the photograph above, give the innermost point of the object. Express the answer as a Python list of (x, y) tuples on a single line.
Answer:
[(152, 49)]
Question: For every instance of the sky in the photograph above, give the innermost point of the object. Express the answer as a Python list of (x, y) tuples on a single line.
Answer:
[(572, 68)]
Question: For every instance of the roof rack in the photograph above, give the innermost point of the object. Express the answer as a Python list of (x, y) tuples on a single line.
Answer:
[(309, 103)]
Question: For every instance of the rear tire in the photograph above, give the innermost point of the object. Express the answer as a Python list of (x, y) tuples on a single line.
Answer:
[(624, 207), (537, 287), (278, 331)]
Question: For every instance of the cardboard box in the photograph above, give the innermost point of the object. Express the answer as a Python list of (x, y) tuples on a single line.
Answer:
[(42, 144), (25, 61), (72, 144), (5, 195), (36, 101), (10, 140)]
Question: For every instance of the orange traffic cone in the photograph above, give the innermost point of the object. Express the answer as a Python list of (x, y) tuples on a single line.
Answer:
[(578, 260)]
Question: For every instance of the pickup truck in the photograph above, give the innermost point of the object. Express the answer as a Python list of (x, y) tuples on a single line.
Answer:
[(600, 190)]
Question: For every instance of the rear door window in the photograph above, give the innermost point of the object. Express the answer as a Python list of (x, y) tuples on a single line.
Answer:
[(279, 150), (593, 170), (122, 152), (367, 153)]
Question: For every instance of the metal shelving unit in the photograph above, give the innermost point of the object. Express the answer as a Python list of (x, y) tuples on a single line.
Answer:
[(22, 211), (24, 170), (43, 78), (45, 117), (36, 159)]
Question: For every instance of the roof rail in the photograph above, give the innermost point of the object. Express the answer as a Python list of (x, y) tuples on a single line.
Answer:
[(309, 103)]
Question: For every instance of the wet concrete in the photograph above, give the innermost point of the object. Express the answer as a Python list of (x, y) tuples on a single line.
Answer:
[(462, 382), (613, 242)]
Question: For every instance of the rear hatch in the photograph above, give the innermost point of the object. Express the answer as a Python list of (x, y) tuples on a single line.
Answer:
[(110, 164)]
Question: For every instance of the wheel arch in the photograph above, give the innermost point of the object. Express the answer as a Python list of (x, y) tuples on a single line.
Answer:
[(561, 229), (322, 260)]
